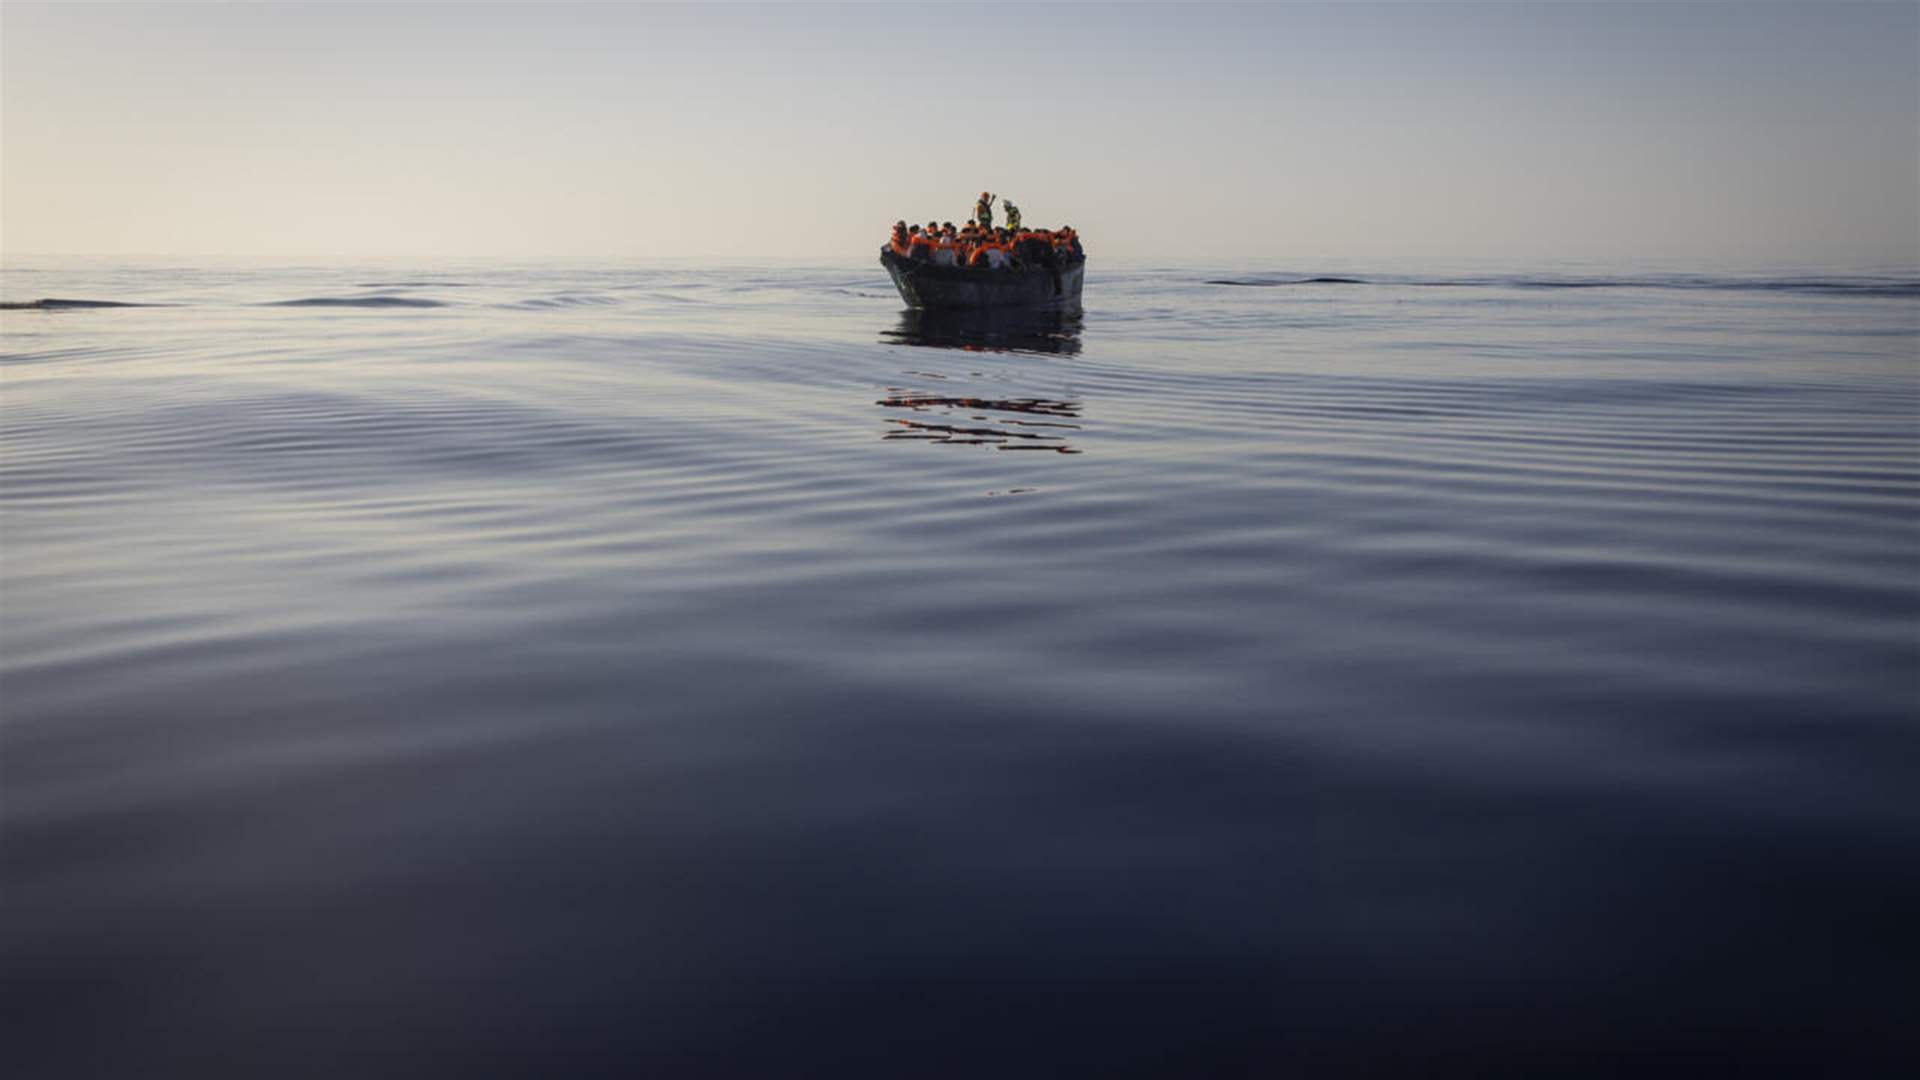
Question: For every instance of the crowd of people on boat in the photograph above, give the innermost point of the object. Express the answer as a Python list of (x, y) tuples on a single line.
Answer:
[(980, 244)]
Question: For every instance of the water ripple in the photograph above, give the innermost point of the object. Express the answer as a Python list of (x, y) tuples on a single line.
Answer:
[(1387, 657)]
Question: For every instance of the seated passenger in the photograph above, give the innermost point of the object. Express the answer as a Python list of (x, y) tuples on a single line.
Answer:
[(1033, 247)]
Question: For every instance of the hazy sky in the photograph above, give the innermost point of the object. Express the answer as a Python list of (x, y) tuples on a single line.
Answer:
[(1526, 130)]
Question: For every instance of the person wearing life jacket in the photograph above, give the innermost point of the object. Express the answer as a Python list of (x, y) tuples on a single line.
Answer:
[(1073, 241), (1013, 214), (946, 251), (983, 210), (898, 242), (976, 252), (1032, 246), (919, 244)]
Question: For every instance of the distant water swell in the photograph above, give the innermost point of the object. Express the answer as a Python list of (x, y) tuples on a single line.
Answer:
[(1260, 282), (416, 285), (361, 302), (1874, 289), (631, 295), (56, 304), (382, 301)]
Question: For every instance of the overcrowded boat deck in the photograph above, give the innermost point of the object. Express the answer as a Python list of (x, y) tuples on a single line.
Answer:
[(981, 265)]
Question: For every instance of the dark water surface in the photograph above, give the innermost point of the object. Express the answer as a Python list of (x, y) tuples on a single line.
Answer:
[(466, 669)]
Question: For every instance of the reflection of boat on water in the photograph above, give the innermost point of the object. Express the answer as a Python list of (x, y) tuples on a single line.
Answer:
[(1055, 331), (926, 284), (953, 415), (1002, 423)]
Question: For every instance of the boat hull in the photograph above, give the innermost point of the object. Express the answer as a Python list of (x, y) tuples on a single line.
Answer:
[(932, 287), (1049, 329)]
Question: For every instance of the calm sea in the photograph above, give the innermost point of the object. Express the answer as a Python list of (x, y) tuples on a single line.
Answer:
[(463, 668)]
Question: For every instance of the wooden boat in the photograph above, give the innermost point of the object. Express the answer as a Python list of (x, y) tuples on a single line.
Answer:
[(931, 286)]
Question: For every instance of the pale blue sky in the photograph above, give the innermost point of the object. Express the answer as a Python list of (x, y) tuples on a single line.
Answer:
[(1769, 131)]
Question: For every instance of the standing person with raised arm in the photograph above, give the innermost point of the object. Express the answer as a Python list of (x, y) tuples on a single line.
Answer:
[(983, 210)]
